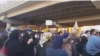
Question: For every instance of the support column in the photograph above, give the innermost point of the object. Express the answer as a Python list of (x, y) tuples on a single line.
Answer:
[(8, 26), (39, 28), (79, 31), (68, 29), (58, 30)]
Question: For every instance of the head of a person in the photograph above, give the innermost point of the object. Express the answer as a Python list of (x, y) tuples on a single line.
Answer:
[(87, 32), (59, 33), (28, 31), (28, 34), (93, 32), (22, 33), (15, 35), (84, 38), (57, 42), (65, 35)]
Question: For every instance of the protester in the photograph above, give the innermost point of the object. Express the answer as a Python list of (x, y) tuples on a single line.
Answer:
[(56, 49), (13, 45), (93, 44), (93, 32), (28, 34), (44, 43), (69, 40), (82, 44), (67, 45)]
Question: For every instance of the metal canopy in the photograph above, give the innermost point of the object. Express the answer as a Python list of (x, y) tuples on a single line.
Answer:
[(11, 4), (61, 11)]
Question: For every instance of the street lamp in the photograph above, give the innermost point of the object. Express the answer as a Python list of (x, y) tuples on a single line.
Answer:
[(3, 1)]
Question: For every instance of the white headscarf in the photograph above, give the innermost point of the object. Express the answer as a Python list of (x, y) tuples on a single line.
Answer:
[(45, 37)]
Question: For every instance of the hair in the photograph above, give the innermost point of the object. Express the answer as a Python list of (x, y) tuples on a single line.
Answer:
[(91, 31), (87, 31), (99, 32), (59, 32)]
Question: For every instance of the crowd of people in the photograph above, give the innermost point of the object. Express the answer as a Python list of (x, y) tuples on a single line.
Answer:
[(29, 43)]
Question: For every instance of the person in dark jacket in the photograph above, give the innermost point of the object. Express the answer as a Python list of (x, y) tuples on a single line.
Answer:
[(82, 44), (56, 49), (29, 48), (13, 45)]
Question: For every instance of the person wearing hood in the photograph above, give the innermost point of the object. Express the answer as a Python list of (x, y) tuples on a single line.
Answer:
[(29, 48), (13, 45), (93, 44), (56, 49)]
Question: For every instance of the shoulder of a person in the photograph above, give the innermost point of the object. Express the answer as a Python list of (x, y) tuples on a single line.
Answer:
[(49, 49), (94, 36)]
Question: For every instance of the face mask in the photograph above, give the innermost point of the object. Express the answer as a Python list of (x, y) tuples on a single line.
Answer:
[(88, 34), (36, 36), (22, 34)]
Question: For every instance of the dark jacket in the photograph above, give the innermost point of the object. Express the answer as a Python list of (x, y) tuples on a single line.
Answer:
[(56, 48), (41, 51), (1, 43), (13, 45), (29, 48), (81, 45)]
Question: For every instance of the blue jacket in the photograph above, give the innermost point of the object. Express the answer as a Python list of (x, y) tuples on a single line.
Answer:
[(56, 48), (55, 52), (93, 45), (65, 35)]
